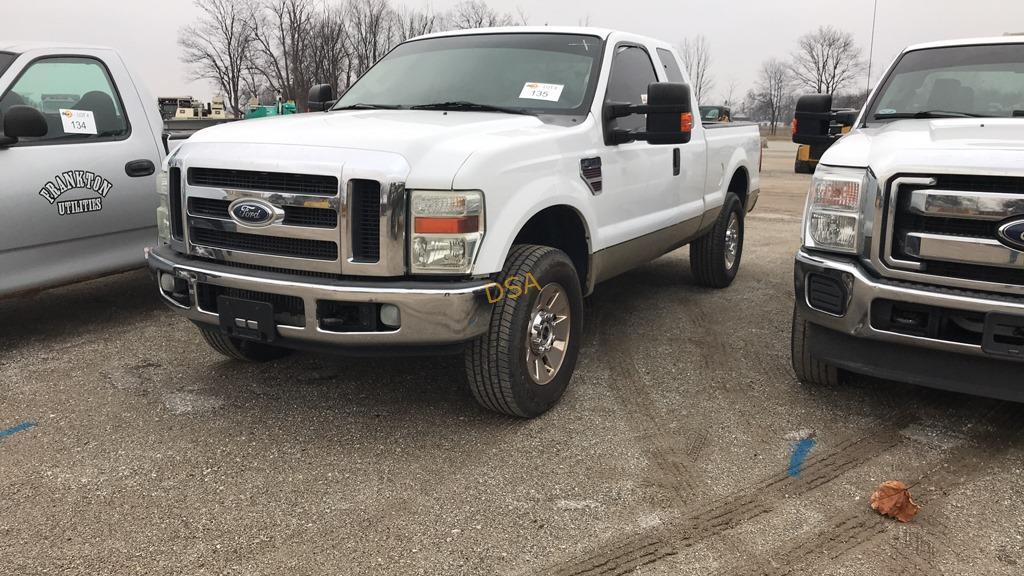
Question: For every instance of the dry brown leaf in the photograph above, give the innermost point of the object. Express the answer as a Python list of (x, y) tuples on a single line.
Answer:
[(893, 499)]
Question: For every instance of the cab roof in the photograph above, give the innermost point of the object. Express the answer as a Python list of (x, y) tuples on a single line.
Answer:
[(602, 33), (1008, 39), (19, 47)]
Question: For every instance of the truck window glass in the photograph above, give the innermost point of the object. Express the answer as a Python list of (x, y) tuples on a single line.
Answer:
[(971, 80), (672, 71), (54, 84), (544, 73), (632, 71)]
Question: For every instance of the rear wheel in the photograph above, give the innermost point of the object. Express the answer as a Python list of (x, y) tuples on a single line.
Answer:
[(715, 257), (808, 368), (523, 364), (241, 349)]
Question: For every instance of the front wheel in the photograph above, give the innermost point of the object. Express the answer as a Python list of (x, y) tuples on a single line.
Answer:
[(715, 257), (523, 364)]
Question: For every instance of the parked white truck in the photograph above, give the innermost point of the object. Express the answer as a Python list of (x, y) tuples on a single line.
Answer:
[(912, 266), (466, 193), (80, 146)]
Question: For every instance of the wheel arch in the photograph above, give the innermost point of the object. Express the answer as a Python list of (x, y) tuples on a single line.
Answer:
[(563, 227)]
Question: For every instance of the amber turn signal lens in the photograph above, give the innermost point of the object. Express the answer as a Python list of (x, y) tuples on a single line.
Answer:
[(686, 122), (462, 225)]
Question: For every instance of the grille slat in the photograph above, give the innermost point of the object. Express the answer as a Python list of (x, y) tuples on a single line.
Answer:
[(264, 181), (293, 215), (275, 246)]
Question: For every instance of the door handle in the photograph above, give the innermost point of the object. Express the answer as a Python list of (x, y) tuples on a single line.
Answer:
[(140, 168), (676, 162)]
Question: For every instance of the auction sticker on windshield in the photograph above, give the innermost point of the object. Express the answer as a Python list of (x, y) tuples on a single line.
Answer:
[(78, 121), (538, 91)]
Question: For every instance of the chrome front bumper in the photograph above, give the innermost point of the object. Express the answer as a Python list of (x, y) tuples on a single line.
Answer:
[(862, 289), (432, 313)]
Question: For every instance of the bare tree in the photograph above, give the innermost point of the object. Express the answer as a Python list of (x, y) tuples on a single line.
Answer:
[(282, 32), (412, 23), (372, 31), (697, 58), (477, 14), (218, 45), (773, 87), (826, 60), (329, 48)]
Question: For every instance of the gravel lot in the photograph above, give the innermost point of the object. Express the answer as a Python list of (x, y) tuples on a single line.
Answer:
[(151, 454)]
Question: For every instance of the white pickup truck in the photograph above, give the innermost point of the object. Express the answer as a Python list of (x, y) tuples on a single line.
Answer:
[(80, 146), (912, 266), (466, 193)]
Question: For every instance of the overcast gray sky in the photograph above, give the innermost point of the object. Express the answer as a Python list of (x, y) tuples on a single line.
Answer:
[(742, 33)]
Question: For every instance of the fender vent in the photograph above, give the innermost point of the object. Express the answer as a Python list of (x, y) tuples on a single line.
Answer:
[(590, 171)]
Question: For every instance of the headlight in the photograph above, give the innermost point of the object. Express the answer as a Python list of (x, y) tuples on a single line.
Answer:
[(832, 218), (163, 212), (447, 228)]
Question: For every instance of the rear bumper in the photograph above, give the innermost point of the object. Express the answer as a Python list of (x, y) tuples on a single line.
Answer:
[(851, 342), (432, 313)]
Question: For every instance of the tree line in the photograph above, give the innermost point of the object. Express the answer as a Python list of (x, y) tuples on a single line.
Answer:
[(825, 61), (279, 48)]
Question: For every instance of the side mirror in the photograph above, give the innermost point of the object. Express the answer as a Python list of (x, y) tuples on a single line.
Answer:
[(23, 122), (669, 111), (812, 119), (321, 98)]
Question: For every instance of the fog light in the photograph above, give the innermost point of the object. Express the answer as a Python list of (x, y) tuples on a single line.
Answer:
[(168, 283), (390, 315)]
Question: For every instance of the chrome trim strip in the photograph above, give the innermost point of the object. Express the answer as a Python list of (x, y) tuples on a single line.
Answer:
[(963, 249), (890, 222), (275, 230), (276, 198), (864, 290), (991, 206), (259, 259)]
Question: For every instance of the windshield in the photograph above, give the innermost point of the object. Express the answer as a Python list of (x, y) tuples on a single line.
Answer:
[(5, 60), (984, 81), (540, 73)]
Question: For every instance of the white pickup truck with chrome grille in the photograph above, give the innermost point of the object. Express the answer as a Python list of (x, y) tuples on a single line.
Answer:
[(465, 193), (912, 266)]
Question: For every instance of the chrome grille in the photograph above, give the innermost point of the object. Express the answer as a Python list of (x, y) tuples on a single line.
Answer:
[(273, 245), (943, 229), (293, 215)]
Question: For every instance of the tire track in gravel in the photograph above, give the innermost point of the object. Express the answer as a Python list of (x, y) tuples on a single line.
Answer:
[(914, 551), (703, 521)]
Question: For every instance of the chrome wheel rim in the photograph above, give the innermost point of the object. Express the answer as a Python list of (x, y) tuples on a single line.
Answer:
[(732, 241), (547, 335)]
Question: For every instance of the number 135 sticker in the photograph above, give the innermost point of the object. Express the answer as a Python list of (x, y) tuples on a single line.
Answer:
[(78, 121), (537, 91)]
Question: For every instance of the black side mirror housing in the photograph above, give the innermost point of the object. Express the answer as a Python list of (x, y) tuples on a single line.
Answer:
[(669, 111), (23, 122), (321, 98), (812, 119)]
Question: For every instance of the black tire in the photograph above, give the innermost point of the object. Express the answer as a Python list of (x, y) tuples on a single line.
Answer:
[(708, 253), (497, 365), (241, 349), (808, 368)]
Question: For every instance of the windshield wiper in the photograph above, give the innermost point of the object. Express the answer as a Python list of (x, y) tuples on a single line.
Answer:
[(470, 107), (929, 114), (362, 106)]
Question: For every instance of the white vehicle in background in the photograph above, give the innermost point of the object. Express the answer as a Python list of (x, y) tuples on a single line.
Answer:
[(80, 145), (466, 192), (912, 266)]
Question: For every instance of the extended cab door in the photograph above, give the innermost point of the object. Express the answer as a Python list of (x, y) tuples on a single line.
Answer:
[(81, 200), (647, 188)]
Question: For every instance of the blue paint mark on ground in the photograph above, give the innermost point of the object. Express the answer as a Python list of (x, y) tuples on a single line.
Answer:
[(15, 429), (803, 448)]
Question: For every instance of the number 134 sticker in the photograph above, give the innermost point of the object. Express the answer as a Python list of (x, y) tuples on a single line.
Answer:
[(78, 121), (538, 91)]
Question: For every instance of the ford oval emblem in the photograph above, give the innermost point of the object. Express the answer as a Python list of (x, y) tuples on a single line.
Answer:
[(253, 213), (1012, 234)]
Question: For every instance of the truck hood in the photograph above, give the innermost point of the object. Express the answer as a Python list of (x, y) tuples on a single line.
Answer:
[(989, 145), (435, 144)]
